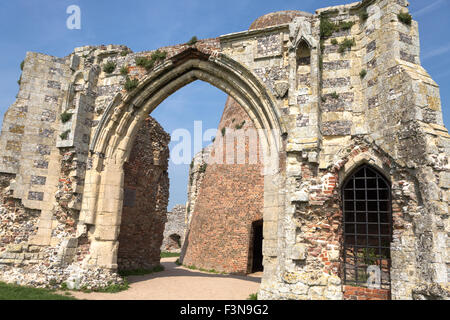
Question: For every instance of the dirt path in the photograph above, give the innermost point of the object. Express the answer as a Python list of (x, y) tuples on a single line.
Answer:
[(179, 283)]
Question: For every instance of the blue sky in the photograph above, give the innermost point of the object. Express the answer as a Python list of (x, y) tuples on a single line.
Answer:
[(40, 26)]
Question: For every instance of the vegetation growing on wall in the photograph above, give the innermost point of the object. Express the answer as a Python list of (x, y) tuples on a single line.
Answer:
[(109, 67), (346, 44), (124, 70), (327, 27), (405, 18), (131, 84), (192, 41), (363, 73), (148, 63), (65, 116), (240, 125), (64, 135)]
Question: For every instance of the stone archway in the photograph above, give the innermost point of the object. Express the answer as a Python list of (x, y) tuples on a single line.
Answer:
[(110, 149)]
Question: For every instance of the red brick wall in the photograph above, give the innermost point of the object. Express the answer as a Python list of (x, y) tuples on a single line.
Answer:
[(146, 189), (231, 197), (360, 293)]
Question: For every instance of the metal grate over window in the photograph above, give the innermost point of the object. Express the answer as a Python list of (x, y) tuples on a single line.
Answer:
[(367, 221)]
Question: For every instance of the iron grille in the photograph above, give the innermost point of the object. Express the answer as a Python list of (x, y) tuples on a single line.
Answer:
[(367, 221)]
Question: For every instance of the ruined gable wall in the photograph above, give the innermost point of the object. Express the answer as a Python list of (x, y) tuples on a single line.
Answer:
[(229, 200), (175, 229), (146, 195)]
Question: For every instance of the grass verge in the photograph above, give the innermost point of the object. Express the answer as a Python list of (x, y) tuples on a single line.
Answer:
[(140, 272), (15, 292), (169, 254)]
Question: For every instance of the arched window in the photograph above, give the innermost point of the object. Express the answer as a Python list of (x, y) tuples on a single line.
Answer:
[(366, 196), (303, 57)]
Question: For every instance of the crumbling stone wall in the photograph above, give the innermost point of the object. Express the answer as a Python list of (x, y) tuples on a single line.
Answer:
[(146, 195), (175, 229), (230, 198), (325, 116), (197, 170)]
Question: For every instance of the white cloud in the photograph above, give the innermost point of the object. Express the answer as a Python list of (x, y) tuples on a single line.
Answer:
[(436, 52), (428, 8)]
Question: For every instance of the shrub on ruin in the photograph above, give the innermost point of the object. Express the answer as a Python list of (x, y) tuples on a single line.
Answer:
[(345, 25), (363, 73), (405, 18), (145, 63), (131, 84), (158, 55), (192, 41), (240, 125), (64, 135), (124, 70), (65, 116), (346, 44), (334, 95), (363, 16), (202, 168), (109, 67), (327, 27)]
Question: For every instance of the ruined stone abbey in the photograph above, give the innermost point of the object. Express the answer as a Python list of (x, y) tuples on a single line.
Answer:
[(349, 198)]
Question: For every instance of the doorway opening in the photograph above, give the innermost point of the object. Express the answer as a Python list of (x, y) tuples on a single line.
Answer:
[(257, 241)]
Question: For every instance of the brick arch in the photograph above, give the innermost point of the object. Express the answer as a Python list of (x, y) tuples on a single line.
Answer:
[(102, 201)]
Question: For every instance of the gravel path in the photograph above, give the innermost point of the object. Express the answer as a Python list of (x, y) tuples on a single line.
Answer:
[(179, 283)]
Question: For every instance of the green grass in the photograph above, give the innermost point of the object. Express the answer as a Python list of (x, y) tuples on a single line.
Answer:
[(169, 254), (192, 267), (15, 292), (253, 296), (140, 272)]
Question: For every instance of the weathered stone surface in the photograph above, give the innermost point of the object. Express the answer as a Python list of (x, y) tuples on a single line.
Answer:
[(175, 229), (144, 214), (69, 202)]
